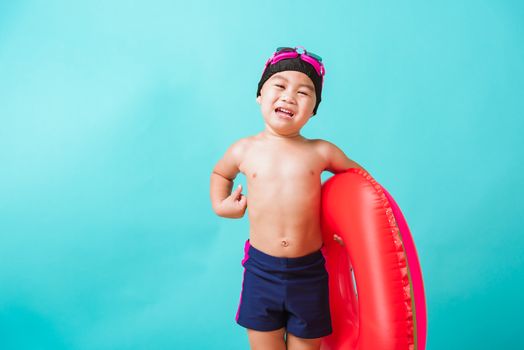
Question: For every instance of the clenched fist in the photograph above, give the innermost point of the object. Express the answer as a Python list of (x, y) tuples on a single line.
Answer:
[(234, 206)]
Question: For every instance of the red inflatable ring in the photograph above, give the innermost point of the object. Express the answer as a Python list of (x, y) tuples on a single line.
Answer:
[(386, 310)]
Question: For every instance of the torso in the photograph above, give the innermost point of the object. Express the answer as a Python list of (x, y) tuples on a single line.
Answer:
[(283, 183)]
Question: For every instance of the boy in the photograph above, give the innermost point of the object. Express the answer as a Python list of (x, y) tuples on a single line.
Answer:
[(284, 298)]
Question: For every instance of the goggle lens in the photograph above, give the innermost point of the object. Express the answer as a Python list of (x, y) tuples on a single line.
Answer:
[(285, 49), (315, 56), (294, 49)]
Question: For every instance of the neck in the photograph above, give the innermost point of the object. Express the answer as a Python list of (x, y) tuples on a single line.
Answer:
[(271, 134)]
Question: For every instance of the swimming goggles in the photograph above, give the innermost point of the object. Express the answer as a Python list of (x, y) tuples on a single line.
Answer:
[(284, 53)]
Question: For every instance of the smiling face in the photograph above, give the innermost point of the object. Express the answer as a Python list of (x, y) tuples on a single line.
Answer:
[(287, 100)]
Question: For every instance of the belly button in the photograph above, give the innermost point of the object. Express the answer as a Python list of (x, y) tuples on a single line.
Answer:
[(284, 243)]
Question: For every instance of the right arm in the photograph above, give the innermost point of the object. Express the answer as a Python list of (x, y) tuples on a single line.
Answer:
[(224, 202)]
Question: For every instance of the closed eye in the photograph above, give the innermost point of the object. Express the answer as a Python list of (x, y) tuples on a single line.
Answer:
[(279, 86), (303, 93)]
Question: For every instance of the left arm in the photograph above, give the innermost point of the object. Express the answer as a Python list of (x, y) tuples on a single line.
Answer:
[(336, 160)]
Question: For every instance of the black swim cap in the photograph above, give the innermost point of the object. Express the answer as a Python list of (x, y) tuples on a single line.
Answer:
[(296, 64)]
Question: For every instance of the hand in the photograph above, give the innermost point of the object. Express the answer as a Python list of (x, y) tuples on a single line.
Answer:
[(234, 206), (338, 239)]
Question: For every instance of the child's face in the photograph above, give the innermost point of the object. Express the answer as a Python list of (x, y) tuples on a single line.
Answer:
[(287, 100)]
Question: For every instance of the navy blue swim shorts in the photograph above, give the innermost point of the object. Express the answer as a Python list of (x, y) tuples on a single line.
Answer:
[(285, 292)]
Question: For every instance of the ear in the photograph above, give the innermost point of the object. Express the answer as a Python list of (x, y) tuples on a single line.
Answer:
[(312, 114), (258, 99)]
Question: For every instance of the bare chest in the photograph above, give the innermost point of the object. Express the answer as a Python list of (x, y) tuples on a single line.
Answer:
[(274, 163)]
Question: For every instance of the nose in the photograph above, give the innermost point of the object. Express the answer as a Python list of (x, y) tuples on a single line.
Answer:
[(287, 98)]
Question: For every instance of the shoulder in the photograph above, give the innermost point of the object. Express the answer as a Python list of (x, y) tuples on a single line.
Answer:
[(229, 165), (325, 148), (239, 147)]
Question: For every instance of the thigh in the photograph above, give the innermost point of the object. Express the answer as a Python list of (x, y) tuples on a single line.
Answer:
[(308, 310), (261, 304), (273, 340), (296, 343)]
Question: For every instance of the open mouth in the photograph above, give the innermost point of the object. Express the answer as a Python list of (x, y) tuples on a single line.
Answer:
[(285, 113)]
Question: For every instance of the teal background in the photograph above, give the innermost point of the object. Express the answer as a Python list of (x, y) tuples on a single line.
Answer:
[(113, 114)]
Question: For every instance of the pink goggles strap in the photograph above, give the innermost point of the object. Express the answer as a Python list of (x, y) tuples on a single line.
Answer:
[(319, 67)]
